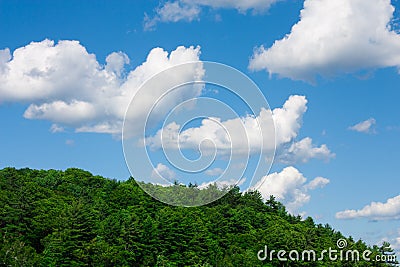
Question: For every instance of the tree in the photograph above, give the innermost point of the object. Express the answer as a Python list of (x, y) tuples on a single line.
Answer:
[(388, 254)]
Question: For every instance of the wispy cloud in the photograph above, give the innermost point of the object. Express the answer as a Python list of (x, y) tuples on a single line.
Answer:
[(366, 126), (56, 129), (375, 211), (190, 10)]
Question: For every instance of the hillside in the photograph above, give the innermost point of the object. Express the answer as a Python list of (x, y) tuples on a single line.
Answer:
[(72, 218)]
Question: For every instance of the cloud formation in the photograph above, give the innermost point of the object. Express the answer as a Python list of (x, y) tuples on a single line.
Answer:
[(289, 187), (242, 135), (364, 126), (189, 10), (304, 150), (390, 210), (332, 38), (66, 85), (162, 172)]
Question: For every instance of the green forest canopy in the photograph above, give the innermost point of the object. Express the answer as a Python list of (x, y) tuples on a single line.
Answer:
[(72, 218)]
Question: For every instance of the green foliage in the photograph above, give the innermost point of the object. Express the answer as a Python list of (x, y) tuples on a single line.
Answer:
[(72, 218)]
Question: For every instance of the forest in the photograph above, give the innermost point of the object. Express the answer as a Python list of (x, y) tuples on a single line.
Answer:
[(73, 218)]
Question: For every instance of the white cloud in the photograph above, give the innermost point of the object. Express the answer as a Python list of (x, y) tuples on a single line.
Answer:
[(289, 187), (393, 237), (189, 10), (59, 111), (56, 128), (235, 135), (364, 126), (303, 151), (163, 172), (240, 5), (242, 135), (172, 12), (102, 127), (331, 38), (66, 85), (5, 56), (116, 62), (318, 182), (375, 211), (288, 119)]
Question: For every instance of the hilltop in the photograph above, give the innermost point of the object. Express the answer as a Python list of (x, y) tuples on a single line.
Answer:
[(73, 218)]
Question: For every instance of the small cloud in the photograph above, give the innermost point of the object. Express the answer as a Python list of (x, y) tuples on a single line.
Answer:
[(69, 142), (163, 172), (366, 126), (289, 187), (390, 210), (56, 129), (185, 10), (304, 150), (318, 182), (172, 12)]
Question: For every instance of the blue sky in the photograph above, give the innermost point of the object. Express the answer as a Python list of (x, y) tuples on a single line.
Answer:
[(341, 61)]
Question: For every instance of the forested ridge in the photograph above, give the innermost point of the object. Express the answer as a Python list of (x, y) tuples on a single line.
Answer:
[(72, 218)]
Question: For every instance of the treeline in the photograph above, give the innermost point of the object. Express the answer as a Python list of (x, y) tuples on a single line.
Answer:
[(72, 218)]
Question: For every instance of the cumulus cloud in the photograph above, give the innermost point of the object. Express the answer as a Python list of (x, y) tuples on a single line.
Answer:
[(66, 85), (163, 172), (189, 10), (288, 119), (303, 151), (289, 187), (242, 135), (238, 135), (332, 38), (389, 210), (116, 62), (364, 126)]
